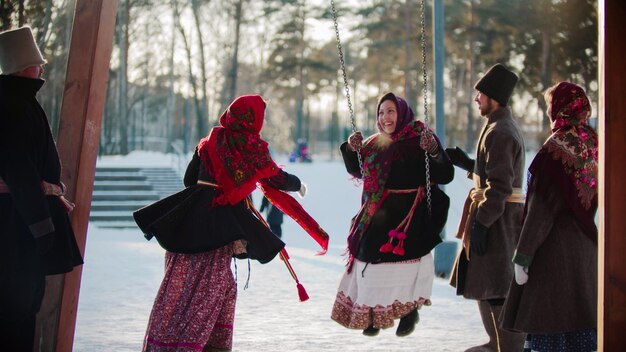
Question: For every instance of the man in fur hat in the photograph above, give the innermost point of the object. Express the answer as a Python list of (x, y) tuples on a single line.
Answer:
[(35, 231), (492, 215)]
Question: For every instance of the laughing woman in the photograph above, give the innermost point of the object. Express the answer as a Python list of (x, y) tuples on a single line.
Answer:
[(390, 268)]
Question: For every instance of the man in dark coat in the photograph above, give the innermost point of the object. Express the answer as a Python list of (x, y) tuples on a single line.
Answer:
[(491, 220), (35, 230)]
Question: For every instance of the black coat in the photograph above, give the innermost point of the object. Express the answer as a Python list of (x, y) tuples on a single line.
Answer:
[(407, 172), (188, 222), (28, 156)]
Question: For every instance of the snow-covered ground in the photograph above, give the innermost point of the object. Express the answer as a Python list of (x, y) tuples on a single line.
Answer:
[(122, 272)]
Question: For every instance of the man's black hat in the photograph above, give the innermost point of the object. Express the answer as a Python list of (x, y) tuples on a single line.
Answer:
[(497, 84)]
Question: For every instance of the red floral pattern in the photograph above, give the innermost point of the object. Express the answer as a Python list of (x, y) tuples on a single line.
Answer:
[(573, 141), (236, 152), (195, 305)]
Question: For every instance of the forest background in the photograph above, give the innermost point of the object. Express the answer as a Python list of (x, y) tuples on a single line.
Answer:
[(177, 64)]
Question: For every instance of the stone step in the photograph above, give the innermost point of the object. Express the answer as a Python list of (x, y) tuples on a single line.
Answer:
[(119, 191), (128, 205), (118, 176), (122, 185), (125, 195), (106, 169), (114, 224), (111, 215)]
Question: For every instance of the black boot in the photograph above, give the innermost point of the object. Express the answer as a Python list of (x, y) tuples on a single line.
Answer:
[(371, 331), (407, 323)]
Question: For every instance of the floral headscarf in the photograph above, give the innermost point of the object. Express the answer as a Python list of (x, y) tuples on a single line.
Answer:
[(568, 160), (236, 152)]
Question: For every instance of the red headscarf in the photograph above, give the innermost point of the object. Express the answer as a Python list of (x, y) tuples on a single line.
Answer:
[(236, 152), (239, 159), (568, 160)]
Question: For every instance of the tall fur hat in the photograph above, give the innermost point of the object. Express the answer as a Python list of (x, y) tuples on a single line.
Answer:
[(497, 84), (18, 50)]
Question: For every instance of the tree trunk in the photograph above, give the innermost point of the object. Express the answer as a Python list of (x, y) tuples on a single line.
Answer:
[(202, 122), (408, 93), (234, 64), (122, 109), (471, 133), (192, 78)]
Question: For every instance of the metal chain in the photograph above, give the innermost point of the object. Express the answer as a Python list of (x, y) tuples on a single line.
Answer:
[(345, 81), (426, 132)]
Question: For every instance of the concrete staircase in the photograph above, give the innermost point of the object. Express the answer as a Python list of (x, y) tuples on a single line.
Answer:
[(118, 191)]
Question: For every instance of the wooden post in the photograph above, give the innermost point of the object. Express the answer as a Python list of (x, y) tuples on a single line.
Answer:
[(79, 133), (612, 176)]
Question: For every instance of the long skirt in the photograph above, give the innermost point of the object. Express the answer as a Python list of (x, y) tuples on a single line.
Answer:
[(576, 341), (377, 294), (195, 306)]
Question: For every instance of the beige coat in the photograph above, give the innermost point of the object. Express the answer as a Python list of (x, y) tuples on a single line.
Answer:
[(499, 167)]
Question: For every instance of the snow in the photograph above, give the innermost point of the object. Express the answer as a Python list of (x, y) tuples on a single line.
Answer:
[(122, 273)]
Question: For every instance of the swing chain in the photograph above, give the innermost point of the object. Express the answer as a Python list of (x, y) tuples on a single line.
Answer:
[(345, 81), (426, 131)]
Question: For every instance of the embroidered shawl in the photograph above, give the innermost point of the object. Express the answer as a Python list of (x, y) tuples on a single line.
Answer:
[(568, 160), (236, 152)]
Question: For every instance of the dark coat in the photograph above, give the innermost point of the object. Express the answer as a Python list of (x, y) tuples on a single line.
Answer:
[(499, 168), (28, 156), (561, 292), (188, 222), (407, 172)]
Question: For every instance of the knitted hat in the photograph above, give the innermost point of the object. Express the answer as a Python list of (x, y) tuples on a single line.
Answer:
[(497, 84), (18, 51)]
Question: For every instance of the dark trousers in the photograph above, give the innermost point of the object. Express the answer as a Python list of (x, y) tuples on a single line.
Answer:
[(276, 229)]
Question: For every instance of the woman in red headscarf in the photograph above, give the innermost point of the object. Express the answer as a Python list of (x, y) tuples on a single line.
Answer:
[(390, 268), (554, 295), (209, 222)]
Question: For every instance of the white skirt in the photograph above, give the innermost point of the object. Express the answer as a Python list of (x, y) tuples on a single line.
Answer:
[(379, 293)]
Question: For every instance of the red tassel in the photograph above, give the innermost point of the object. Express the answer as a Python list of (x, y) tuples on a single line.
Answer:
[(401, 236), (386, 248), (399, 250), (302, 293)]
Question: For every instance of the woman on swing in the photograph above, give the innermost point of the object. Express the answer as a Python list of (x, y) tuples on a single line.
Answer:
[(390, 269)]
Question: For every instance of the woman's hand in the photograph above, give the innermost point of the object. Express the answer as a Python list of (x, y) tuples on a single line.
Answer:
[(429, 143), (303, 189), (521, 274), (355, 141)]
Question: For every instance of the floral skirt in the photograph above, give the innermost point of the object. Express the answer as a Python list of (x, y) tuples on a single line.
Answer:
[(195, 305), (378, 294)]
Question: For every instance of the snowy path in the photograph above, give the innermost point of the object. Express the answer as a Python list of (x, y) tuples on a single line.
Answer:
[(122, 273)]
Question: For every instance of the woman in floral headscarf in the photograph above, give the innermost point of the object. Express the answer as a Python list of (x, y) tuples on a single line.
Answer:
[(554, 295), (390, 269), (203, 226)]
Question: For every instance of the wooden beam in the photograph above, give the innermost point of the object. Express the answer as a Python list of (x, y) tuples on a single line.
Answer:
[(612, 173), (79, 133)]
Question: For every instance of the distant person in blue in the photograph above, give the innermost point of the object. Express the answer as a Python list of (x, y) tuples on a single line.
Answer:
[(274, 216), (301, 153)]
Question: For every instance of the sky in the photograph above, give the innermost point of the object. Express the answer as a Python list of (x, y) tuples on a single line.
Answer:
[(122, 273)]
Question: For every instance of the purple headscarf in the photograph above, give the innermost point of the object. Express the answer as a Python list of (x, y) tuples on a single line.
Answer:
[(405, 113)]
